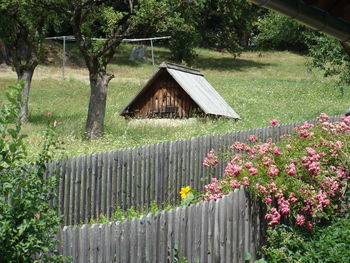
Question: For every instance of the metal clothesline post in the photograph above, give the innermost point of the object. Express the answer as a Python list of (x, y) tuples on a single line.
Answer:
[(152, 55), (64, 56)]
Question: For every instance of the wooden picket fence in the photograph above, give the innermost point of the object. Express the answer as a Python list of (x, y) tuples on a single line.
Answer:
[(96, 184), (210, 231)]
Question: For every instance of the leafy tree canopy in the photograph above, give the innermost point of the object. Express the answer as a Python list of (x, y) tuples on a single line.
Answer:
[(331, 56), (224, 24), (276, 31)]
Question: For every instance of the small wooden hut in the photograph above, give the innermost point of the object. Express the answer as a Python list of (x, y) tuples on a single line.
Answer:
[(175, 91)]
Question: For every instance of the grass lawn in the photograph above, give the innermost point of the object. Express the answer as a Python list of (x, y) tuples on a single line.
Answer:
[(259, 86)]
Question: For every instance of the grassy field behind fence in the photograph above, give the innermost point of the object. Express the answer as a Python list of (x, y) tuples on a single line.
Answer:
[(259, 86)]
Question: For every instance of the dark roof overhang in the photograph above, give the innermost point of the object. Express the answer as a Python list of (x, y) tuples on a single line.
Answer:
[(329, 17)]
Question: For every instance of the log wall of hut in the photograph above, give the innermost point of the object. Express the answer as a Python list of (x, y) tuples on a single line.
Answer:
[(164, 98)]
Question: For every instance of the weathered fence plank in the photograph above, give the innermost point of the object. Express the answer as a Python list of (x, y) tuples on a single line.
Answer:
[(222, 219), (141, 240), (241, 223), (162, 241), (105, 183), (133, 241), (230, 244)]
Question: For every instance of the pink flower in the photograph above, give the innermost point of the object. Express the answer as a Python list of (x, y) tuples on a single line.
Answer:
[(245, 181), (346, 120), (292, 198), (276, 151), (309, 226), (236, 157), (339, 144), (274, 217), (273, 123), (279, 195), (324, 117), (314, 168), (213, 196), (305, 133), (272, 187), (283, 206), (235, 184), (248, 165), (232, 169), (290, 169), (288, 146), (310, 151), (211, 159), (267, 161), (263, 190), (273, 171), (300, 220), (342, 174), (322, 198), (253, 171), (268, 199), (239, 146), (253, 138)]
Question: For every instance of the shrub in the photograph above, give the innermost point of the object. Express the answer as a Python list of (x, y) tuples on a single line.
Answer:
[(28, 225), (302, 180), (326, 244)]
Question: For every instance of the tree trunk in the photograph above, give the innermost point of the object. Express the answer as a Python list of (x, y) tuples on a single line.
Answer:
[(3, 55), (22, 54), (26, 76), (244, 39), (97, 105)]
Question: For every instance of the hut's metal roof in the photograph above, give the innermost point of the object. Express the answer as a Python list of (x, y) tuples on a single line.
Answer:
[(198, 88)]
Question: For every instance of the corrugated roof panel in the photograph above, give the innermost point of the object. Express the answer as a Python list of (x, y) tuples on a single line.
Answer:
[(199, 89)]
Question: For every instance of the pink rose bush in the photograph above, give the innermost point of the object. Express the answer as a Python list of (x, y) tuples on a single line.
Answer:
[(211, 159), (302, 179)]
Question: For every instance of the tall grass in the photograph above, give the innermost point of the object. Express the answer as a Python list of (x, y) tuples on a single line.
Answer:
[(259, 86)]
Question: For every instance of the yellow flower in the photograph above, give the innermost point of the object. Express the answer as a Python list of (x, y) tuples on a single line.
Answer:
[(185, 191)]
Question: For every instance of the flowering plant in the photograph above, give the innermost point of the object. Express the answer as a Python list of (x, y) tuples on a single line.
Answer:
[(185, 191), (188, 195), (302, 179)]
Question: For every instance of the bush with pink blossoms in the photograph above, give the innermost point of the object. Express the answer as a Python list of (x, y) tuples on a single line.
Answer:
[(303, 179)]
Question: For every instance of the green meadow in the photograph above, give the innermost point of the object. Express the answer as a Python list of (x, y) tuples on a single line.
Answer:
[(259, 86)]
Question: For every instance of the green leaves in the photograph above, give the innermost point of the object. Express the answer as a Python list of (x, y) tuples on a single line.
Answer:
[(247, 256), (27, 223), (280, 32), (329, 243), (330, 56)]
